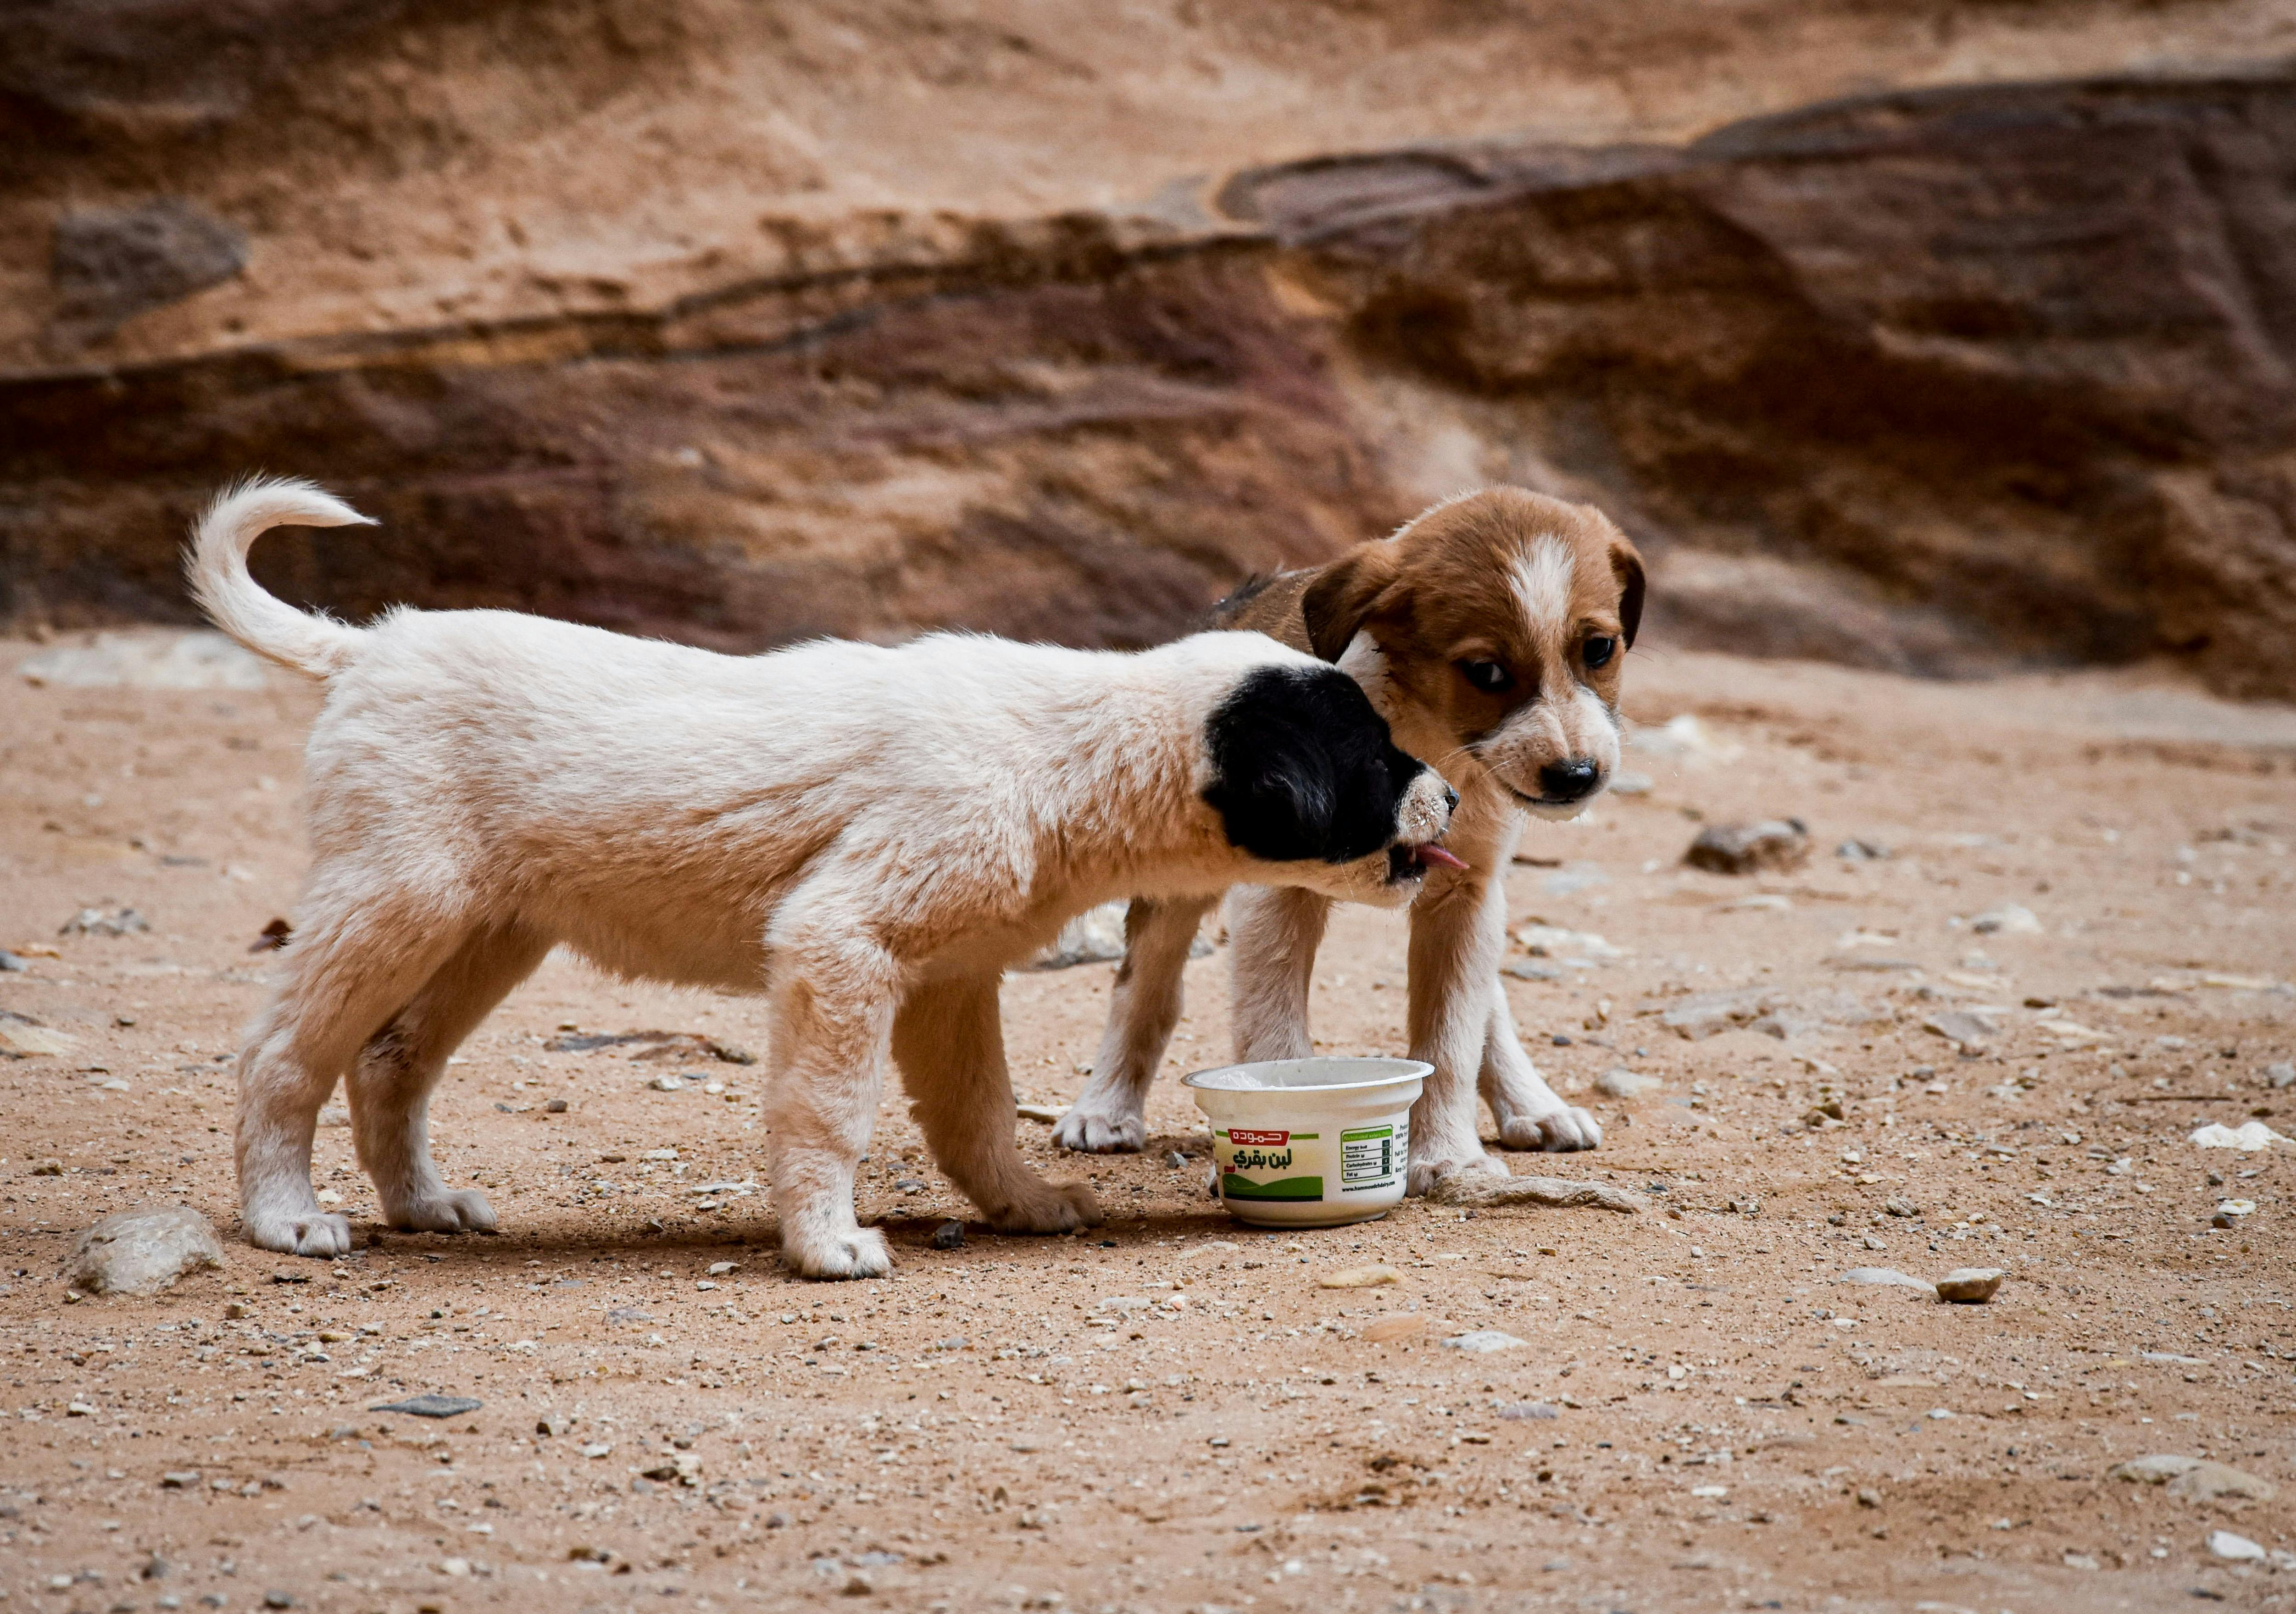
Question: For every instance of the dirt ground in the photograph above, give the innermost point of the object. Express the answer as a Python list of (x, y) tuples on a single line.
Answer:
[(1171, 1413)]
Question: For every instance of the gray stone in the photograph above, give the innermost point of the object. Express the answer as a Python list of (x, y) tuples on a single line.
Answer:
[(1961, 1025), (1482, 1342), (1897, 1207), (140, 1252), (2158, 1469), (1888, 1277), (2239, 1549), (430, 1406), (199, 660), (9, 965), (1769, 844), (2279, 1075), (111, 263), (96, 921), (2010, 919), (1970, 1285), (948, 1236), (2208, 1481), (1619, 1082)]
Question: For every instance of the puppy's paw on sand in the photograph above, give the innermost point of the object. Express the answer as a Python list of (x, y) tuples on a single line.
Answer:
[(859, 1253), (312, 1232), (1424, 1173), (1089, 1132), (1054, 1207), (1559, 1133), (449, 1210)]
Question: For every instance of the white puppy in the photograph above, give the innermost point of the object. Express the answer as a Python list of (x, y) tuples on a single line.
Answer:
[(870, 835)]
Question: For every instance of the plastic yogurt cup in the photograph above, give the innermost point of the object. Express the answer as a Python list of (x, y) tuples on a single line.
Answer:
[(1310, 1143)]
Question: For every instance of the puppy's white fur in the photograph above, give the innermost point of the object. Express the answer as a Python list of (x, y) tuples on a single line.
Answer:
[(868, 835)]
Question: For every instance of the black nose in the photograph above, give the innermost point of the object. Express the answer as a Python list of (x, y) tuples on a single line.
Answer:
[(1450, 799), (1569, 780)]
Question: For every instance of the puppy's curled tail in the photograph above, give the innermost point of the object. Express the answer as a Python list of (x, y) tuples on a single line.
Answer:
[(216, 567)]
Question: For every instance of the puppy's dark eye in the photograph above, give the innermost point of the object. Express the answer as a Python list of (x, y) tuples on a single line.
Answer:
[(1599, 649), (1487, 677)]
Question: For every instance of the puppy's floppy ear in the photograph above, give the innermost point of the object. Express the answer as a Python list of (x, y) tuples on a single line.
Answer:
[(1626, 566), (1347, 591)]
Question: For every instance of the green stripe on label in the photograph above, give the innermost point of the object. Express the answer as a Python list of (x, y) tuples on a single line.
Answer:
[(1365, 1133), (1234, 1187)]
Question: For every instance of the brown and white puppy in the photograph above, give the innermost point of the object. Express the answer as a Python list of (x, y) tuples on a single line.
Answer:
[(1489, 633)]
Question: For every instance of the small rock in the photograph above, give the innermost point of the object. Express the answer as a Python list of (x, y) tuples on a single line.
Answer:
[(1619, 1082), (556, 1106), (1773, 844), (1897, 1207), (1888, 1276), (1961, 1025), (23, 1037), (2010, 919), (1482, 1342), (97, 922), (718, 1269), (668, 1083), (1518, 1411), (1873, 1243), (1176, 1160), (2239, 1549), (2229, 1212), (2158, 1469), (2251, 1136), (200, 659), (2206, 1481), (1552, 941), (9, 965), (278, 1599), (1970, 1285), (948, 1236), (1359, 1277), (2280, 1074), (1397, 1325), (1859, 849), (140, 1252), (430, 1406)]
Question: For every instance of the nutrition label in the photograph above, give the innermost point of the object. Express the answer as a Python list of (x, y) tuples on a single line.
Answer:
[(1370, 1156)]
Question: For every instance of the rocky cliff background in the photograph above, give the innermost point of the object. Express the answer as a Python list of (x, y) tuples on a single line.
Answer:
[(1942, 338)]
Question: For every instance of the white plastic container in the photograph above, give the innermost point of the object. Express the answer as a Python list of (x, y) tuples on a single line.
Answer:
[(1310, 1143)]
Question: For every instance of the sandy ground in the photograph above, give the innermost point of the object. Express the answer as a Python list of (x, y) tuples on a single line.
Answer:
[(1171, 1413)]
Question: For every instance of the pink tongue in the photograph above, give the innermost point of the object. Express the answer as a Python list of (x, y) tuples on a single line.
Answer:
[(1433, 854)]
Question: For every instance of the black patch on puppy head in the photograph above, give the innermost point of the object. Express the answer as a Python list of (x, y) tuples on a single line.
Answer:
[(1303, 768)]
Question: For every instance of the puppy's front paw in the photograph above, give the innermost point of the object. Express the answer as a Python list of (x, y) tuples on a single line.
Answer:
[(858, 1253), (1424, 1173), (449, 1210), (1055, 1208), (309, 1233), (1559, 1133), (1089, 1132)]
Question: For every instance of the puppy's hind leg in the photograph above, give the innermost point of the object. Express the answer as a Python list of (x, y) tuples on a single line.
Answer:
[(1110, 1117), (350, 967), (390, 1086), (1274, 932), (950, 1044)]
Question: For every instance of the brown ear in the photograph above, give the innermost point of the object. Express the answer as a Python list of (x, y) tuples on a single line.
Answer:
[(1337, 601), (1626, 566)]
